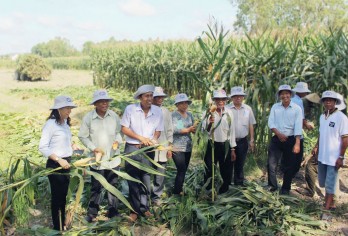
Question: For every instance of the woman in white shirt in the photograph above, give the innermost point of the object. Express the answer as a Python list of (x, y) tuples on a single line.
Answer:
[(56, 145)]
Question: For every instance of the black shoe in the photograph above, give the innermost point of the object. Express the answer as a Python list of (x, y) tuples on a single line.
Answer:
[(90, 218), (272, 189), (112, 213), (284, 192)]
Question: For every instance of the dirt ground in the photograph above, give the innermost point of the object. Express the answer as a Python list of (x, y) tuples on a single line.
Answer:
[(62, 78), (59, 79)]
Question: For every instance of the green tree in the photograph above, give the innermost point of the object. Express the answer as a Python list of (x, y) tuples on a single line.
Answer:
[(255, 15), (57, 47)]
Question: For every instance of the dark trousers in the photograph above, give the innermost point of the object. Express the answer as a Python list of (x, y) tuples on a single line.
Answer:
[(158, 182), (138, 193), (238, 166), (299, 158), (222, 154), (289, 164), (59, 189), (182, 161), (97, 197), (311, 174)]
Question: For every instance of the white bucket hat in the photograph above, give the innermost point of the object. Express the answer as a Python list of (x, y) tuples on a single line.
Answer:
[(341, 106), (330, 94), (159, 92), (301, 87), (237, 91), (62, 101), (285, 87), (182, 97), (219, 94), (144, 89), (100, 94)]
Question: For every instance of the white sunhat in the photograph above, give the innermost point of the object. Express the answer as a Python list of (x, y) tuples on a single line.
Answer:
[(285, 87), (219, 94), (182, 97), (100, 94), (330, 94), (62, 101), (341, 106), (237, 91), (301, 87), (159, 92), (144, 89)]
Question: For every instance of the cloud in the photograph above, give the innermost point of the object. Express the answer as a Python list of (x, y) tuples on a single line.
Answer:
[(137, 8), (47, 21), (7, 24), (88, 26)]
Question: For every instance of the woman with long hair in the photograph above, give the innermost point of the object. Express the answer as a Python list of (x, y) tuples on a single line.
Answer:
[(56, 145)]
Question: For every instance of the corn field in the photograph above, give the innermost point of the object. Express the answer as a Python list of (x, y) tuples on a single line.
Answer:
[(260, 63)]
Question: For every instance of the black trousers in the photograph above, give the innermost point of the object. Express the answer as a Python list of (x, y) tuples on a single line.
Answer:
[(299, 157), (225, 164), (96, 194), (289, 164), (182, 161), (59, 190), (238, 166), (139, 194)]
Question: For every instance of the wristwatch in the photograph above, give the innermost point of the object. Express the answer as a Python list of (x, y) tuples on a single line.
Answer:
[(341, 157)]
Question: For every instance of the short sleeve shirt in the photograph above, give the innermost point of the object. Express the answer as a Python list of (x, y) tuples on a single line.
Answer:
[(134, 119), (331, 131), (243, 118), (182, 142)]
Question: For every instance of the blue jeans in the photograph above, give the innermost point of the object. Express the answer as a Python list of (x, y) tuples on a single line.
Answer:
[(182, 161)]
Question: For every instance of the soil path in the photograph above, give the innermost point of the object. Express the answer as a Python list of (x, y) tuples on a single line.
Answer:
[(10, 102)]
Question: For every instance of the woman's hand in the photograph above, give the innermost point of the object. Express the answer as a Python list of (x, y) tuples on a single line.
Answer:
[(63, 163)]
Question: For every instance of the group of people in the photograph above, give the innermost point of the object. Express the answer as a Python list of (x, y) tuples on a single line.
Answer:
[(147, 124)]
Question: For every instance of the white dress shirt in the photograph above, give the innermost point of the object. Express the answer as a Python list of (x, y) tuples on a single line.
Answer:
[(243, 118)]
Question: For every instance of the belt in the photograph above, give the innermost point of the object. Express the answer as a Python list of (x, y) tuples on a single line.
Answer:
[(135, 145), (240, 139)]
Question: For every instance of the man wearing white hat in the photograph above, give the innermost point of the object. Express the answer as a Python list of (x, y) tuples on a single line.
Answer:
[(165, 139), (285, 121), (331, 145), (220, 123), (301, 90), (142, 123), (244, 121), (100, 133)]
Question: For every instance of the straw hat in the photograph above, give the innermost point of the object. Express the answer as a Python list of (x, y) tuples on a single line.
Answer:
[(313, 97)]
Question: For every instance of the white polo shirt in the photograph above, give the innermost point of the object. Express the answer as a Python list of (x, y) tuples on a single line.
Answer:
[(331, 131), (56, 139), (134, 119)]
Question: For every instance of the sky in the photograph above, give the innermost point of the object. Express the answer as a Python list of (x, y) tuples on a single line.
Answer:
[(25, 23)]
